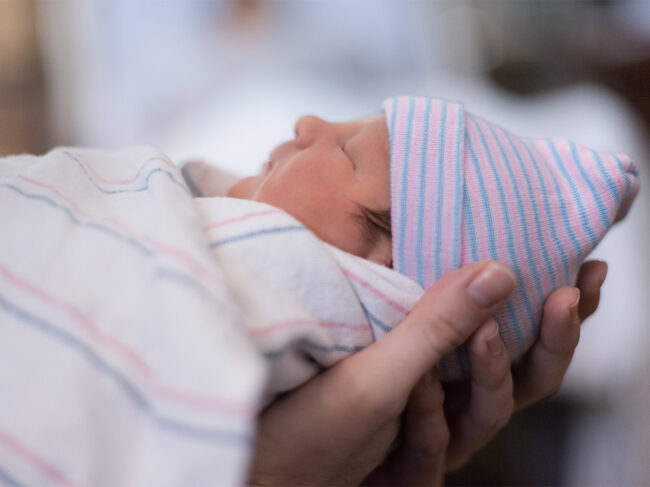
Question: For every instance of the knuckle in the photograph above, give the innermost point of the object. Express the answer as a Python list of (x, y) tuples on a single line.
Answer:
[(446, 335), (499, 376), (494, 374)]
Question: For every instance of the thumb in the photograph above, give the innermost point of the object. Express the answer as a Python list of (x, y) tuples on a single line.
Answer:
[(444, 318)]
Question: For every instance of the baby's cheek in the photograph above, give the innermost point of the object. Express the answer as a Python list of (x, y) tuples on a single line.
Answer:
[(297, 191)]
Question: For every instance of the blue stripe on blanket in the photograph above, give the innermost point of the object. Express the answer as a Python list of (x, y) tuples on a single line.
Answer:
[(256, 233), (374, 320), (331, 348), (137, 398), (182, 280), (136, 190), (7, 479), (187, 281), (97, 226)]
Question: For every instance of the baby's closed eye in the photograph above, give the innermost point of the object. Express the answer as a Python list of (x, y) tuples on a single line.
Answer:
[(376, 232)]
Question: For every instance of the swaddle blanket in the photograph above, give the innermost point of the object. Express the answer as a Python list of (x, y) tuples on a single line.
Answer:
[(123, 357), (138, 326), (308, 303)]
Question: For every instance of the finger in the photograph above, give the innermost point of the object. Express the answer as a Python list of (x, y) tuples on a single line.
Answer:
[(491, 401), (443, 319), (426, 434), (590, 279), (541, 372)]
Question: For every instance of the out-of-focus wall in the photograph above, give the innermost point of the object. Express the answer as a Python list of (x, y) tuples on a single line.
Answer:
[(122, 72)]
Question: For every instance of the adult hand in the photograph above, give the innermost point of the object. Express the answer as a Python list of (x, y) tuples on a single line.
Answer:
[(341, 425), (476, 411)]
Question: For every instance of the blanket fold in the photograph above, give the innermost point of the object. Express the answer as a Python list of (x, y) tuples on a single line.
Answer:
[(142, 330), (123, 358)]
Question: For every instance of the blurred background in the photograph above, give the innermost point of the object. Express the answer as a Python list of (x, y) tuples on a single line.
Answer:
[(225, 80)]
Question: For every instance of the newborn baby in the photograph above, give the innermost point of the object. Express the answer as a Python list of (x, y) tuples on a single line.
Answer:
[(424, 188)]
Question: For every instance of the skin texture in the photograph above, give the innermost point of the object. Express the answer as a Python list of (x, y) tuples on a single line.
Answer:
[(324, 175)]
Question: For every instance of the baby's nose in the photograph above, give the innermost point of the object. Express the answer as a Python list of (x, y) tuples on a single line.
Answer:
[(307, 129)]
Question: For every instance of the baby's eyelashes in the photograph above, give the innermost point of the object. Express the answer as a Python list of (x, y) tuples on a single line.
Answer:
[(375, 230), (379, 221)]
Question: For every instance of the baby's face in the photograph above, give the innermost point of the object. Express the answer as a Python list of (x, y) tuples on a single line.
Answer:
[(328, 177)]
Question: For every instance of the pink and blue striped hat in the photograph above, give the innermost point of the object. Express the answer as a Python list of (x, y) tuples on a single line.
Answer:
[(464, 189)]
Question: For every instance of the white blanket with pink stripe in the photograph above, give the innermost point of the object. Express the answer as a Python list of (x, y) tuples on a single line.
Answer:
[(308, 304), (141, 330)]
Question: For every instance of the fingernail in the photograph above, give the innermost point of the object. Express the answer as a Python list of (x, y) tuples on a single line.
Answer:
[(491, 285), (493, 341), (573, 308)]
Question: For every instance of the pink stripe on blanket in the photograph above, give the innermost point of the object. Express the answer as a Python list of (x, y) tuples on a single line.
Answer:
[(375, 291), (50, 471), (124, 181), (240, 218), (219, 405), (79, 317)]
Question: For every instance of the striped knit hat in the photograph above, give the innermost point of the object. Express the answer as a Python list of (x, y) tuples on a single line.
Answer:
[(464, 189)]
